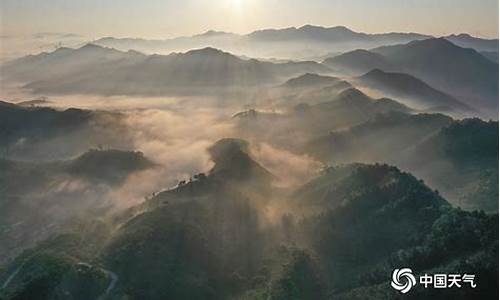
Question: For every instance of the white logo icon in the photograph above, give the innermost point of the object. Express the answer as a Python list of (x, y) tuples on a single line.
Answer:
[(403, 280)]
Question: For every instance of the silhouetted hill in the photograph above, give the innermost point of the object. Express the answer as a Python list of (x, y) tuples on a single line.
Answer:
[(44, 133), (310, 80), (418, 93), (233, 162), (19, 122), (358, 62), (64, 61), (381, 139), (111, 166), (463, 73), (355, 101)]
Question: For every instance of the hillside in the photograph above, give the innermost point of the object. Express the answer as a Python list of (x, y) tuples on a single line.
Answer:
[(474, 80), (309, 80), (461, 160), (458, 158), (392, 220), (417, 93), (40, 198), (45, 133), (204, 241), (465, 40), (358, 62), (325, 111)]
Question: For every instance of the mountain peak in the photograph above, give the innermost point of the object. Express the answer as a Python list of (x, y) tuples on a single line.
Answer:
[(212, 33), (309, 79), (351, 93), (233, 162), (91, 46), (374, 72), (207, 51)]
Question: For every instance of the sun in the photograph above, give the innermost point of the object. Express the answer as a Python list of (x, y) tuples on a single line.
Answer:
[(238, 4)]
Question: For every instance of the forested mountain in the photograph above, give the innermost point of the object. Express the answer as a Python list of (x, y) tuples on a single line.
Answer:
[(459, 158), (44, 133), (211, 239), (40, 198)]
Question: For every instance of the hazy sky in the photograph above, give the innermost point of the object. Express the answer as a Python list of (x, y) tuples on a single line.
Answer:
[(168, 18)]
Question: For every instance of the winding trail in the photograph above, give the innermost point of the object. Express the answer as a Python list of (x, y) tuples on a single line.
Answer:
[(112, 283), (12, 275), (114, 278)]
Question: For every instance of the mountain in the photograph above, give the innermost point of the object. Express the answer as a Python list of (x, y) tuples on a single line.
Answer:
[(214, 226), (465, 40), (461, 160), (96, 70), (458, 158), (381, 139), (294, 128), (233, 162), (358, 62), (64, 61), (310, 80), (19, 122), (107, 166), (462, 73), (41, 198), (291, 43), (209, 240), (406, 87), (309, 88), (336, 34), (355, 101), (491, 55), (44, 133), (371, 219)]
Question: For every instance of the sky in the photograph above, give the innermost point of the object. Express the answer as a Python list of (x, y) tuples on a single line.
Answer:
[(169, 18)]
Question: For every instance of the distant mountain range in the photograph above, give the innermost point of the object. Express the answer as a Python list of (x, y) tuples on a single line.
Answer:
[(293, 43), (93, 69), (464, 79), (462, 73), (479, 44)]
